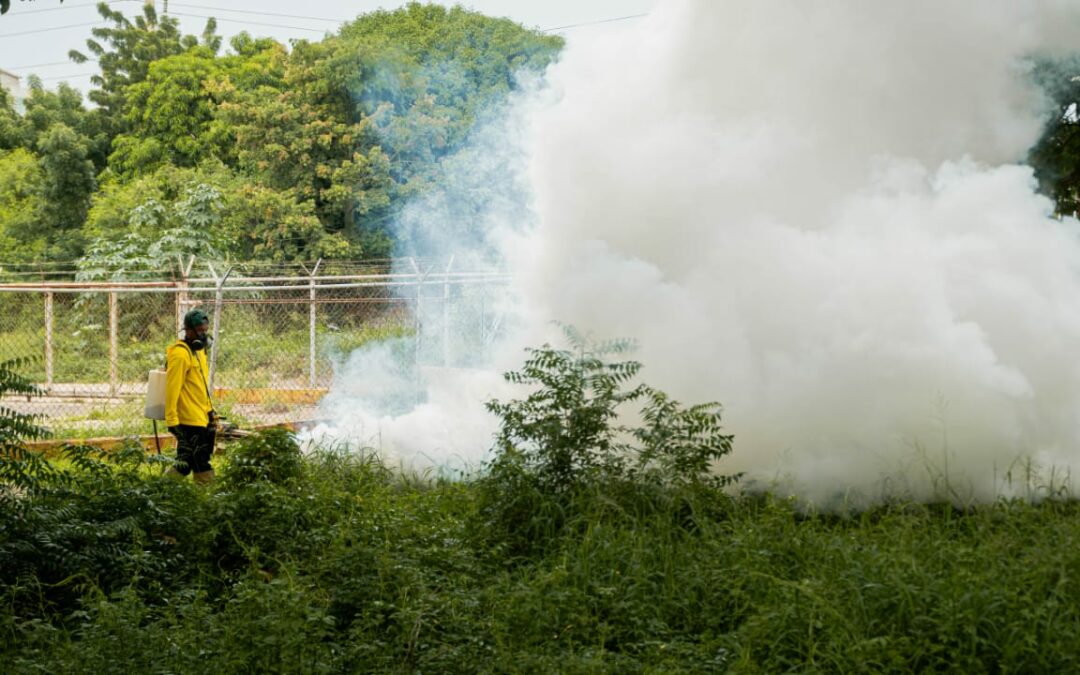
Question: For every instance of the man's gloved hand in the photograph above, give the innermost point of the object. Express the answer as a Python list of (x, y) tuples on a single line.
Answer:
[(175, 431)]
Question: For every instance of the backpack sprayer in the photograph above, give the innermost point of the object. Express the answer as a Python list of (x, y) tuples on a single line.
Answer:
[(155, 401), (155, 410)]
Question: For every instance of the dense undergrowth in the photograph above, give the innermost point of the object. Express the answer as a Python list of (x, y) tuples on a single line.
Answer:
[(622, 554)]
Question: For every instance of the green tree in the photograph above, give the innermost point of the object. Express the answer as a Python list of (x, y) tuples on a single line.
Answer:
[(431, 76), (262, 223), (11, 131), (67, 183), (126, 49), (314, 151), (44, 108), (1056, 157), (21, 205), (361, 120), (171, 116), (158, 235), (256, 62), (244, 221), (437, 71), (44, 196), (168, 117), (303, 136)]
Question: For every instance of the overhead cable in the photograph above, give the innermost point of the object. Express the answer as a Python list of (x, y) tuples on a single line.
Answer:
[(66, 77), (242, 11), (245, 21), (46, 30), (22, 12), (46, 65), (593, 23)]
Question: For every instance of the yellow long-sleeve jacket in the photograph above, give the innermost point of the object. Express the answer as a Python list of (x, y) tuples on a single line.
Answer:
[(186, 376)]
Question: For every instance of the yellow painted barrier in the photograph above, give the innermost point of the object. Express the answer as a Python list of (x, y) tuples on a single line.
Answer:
[(52, 446), (269, 395)]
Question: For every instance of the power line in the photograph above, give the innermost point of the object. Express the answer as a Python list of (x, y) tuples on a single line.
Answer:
[(317, 18), (65, 77), (46, 30), (242, 11), (45, 65), (274, 25), (593, 23), (255, 23), (246, 22), (69, 6)]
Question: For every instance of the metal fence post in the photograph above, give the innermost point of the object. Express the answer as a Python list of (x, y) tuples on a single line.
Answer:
[(446, 314), (417, 328), (113, 357), (388, 290), (181, 290), (311, 323), (219, 283), (48, 341)]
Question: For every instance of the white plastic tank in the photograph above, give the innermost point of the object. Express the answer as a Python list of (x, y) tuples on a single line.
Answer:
[(155, 396)]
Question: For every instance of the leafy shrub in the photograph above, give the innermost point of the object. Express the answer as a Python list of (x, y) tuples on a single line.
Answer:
[(566, 448), (105, 521), (639, 565), (567, 431), (19, 468), (271, 455)]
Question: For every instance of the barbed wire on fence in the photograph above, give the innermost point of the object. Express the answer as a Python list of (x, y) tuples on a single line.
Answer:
[(282, 332)]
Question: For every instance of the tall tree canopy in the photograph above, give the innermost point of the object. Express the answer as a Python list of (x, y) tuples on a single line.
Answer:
[(309, 150), (1056, 157)]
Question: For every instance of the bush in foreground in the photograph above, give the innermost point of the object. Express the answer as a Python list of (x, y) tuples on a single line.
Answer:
[(575, 444), (330, 563)]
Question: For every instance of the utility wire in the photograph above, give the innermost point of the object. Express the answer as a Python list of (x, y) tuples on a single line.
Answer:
[(46, 30), (593, 23), (245, 21), (243, 11), (276, 25), (68, 6), (66, 77), (317, 18), (45, 65), (257, 23)]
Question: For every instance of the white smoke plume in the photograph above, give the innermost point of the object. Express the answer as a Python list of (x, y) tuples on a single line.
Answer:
[(417, 401), (815, 213), (426, 419)]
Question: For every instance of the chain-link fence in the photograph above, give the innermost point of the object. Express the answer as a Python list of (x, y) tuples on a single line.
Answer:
[(281, 335)]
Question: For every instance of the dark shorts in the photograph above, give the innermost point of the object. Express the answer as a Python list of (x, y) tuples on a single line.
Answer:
[(194, 445)]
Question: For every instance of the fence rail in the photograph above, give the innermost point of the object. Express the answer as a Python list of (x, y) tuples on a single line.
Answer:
[(279, 338)]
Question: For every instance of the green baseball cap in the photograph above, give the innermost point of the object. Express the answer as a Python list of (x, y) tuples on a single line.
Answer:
[(195, 318)]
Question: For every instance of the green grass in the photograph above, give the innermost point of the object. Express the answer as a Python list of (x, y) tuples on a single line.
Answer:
[(574, 551), (331, 563), (251, 358), (258, 346)]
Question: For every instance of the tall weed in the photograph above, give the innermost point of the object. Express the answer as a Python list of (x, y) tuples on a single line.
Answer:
[(568, 445)]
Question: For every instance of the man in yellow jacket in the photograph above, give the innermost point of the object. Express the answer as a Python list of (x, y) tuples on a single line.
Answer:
[(189, 413)]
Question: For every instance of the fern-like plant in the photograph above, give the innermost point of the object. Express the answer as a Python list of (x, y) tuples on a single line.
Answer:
[(566, 432), (576, 436), (572, 429), (19, 468)]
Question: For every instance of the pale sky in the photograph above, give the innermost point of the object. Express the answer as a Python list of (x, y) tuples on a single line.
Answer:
[(35, 35)]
